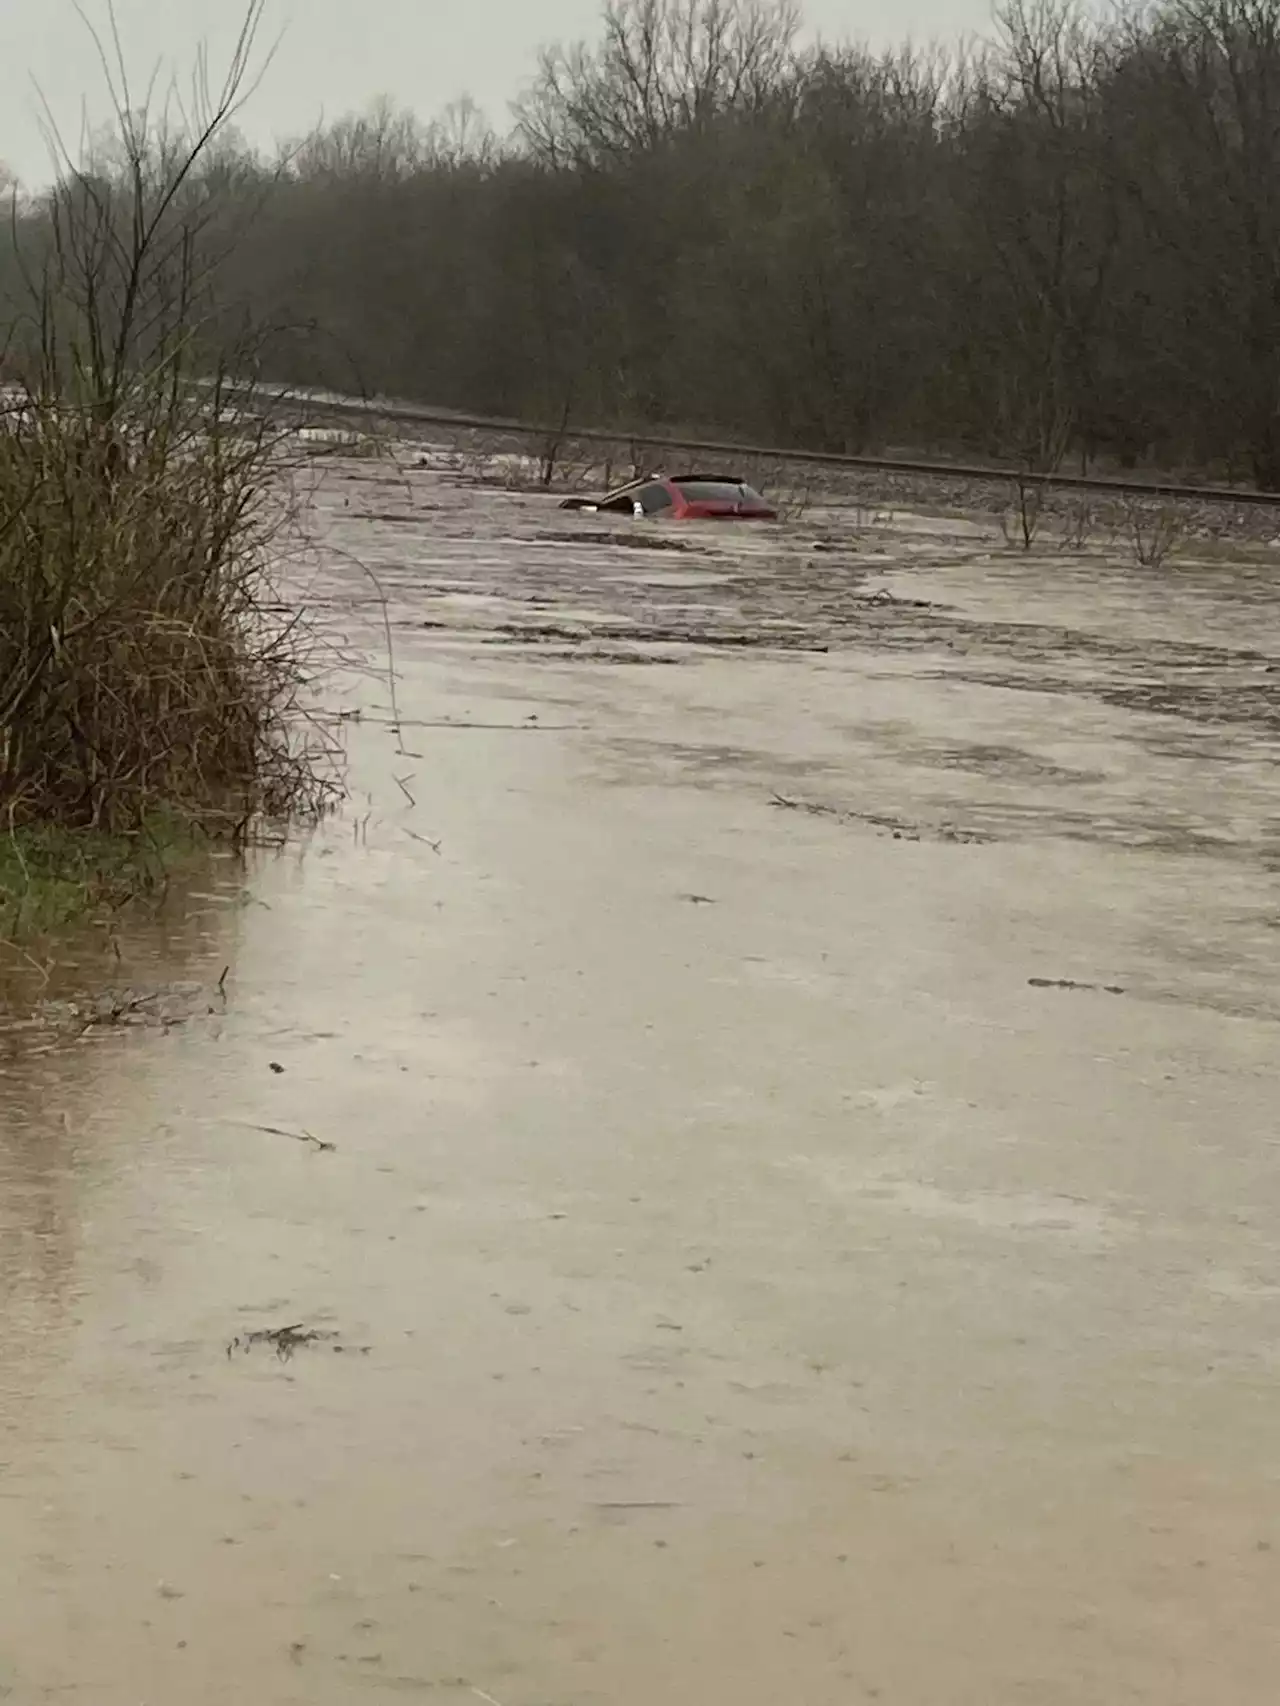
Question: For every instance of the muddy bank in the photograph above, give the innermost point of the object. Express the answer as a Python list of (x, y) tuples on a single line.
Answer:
[(748, 1252)]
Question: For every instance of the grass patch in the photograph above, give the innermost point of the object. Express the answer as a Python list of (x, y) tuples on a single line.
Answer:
[(51, 877)]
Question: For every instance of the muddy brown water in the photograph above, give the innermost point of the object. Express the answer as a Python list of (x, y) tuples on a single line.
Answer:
[(762, 1259)]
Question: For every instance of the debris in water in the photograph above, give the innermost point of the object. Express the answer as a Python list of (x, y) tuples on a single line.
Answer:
[(638, 1505), (898, 827), (882, 595), (284, 1340), (426, 841), (159, 1008), (1070, 983), (303, 1136)]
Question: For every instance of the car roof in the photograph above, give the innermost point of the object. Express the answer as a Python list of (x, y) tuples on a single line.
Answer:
[(660, 479)]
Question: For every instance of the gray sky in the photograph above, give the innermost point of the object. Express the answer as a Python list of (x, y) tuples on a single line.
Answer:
[(338, 54)]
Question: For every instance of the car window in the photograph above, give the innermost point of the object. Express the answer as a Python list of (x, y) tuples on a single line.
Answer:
[(654, 498), (717, 492)]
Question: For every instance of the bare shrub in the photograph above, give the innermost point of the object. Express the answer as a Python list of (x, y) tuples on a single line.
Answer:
[(1037, 425), (553, 443), (584, 464), (1078, 525), (1154, 530), (787, 485), (145, 668), (791, 499)]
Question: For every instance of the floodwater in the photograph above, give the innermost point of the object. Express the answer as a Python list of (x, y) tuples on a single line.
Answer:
[(798, 1035)]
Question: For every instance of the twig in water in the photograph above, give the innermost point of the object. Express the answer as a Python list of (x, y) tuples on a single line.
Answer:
[(303, 1136), (426, 840), (44, 971), (481, 1695), (816, 809), (465, 723), (400, 783), (638, 1505)]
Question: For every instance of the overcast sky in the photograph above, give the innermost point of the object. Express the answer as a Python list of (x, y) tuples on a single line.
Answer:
[(338, 54)]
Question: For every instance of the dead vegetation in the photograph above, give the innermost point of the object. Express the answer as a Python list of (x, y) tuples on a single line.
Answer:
[(284, 1341), (1154, 530), (1077, 525), (147, 674), (1073, 983)]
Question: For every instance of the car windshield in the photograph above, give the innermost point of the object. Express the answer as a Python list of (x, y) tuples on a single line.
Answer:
[(718, 492)]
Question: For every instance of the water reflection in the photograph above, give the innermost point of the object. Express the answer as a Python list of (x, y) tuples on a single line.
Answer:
[(63, 1083)]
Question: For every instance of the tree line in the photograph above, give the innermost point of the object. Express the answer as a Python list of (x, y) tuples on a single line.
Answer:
[(1060, 243)]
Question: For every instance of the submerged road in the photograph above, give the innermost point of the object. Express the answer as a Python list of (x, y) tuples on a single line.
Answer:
[(797, 1030)]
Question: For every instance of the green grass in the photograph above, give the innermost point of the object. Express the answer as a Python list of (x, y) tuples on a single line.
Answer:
[(53, 878)]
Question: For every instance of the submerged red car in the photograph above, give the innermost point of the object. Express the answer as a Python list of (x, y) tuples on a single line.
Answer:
[(683, 497)]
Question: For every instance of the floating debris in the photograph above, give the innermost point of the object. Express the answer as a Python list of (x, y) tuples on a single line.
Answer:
[(283, 1340), (303, 1136), (158, 1008), (1070, 983)]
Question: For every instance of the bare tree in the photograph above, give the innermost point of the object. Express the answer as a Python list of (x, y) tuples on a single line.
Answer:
[(1062, 242), (662, 67)]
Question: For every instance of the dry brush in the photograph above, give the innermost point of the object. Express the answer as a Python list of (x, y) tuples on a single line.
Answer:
[(146, 674)]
